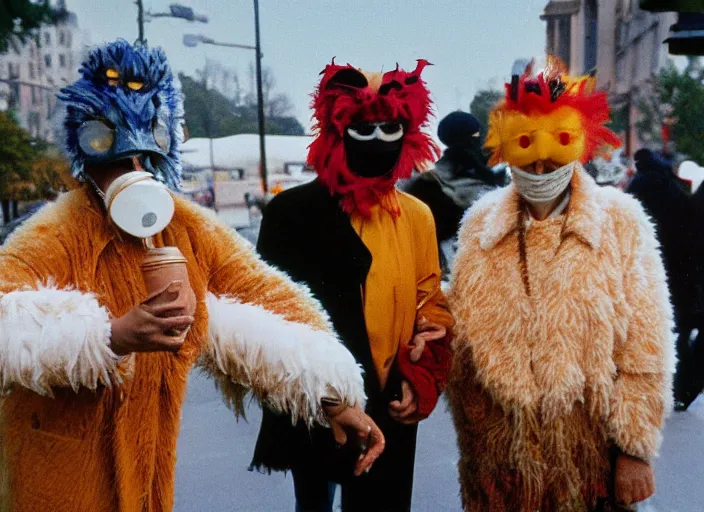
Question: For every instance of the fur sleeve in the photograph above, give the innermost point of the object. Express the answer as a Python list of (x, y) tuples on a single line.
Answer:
[(269, 334), (290, 366), (54, 338), (645, 360)]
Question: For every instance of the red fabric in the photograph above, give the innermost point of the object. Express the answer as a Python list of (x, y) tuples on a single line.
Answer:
[(402, 96), (427, 376)]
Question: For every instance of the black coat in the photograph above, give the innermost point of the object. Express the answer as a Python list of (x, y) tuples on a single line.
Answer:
[(305, 233), (666, 199)]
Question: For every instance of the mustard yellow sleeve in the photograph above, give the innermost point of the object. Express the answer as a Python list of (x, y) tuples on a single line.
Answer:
[(431, 302)]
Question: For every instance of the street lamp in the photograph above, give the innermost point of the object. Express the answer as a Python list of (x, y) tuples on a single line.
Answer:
[(175, 11), (192, 40)]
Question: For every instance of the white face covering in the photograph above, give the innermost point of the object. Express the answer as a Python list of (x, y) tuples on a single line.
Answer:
[(139, 205), (542, 188)]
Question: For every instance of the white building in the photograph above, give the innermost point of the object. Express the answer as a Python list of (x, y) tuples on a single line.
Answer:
[(32, 74)]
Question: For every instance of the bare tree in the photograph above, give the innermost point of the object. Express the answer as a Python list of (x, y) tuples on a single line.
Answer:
[(280, 106)]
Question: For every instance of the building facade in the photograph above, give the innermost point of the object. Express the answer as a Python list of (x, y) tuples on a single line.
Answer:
[(31, 74), (619, 42)]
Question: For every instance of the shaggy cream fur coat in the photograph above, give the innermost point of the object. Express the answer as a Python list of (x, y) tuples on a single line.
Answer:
[(552, 375)]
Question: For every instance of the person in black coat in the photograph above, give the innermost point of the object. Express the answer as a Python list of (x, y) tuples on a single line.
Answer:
[(367, 253), (666, 198)]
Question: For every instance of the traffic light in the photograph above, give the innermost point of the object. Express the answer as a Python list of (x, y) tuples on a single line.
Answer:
[(687, 35), (672, 5)]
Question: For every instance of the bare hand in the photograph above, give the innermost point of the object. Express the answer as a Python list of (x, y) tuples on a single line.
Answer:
[(404, 411), (149, 328), (635, 481), (353, 420), (425, 332)]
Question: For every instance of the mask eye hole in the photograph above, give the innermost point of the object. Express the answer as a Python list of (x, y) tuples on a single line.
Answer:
[(386, 88), (391, 128), (95, 138), (161, 135), (565, 138), (524, 141), (362, 129), (113, 76)]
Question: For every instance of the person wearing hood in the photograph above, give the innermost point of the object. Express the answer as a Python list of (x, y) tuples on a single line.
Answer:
[(459, 179)]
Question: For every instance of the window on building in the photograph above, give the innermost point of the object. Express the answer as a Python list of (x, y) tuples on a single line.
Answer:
[(47, 38), (564, 38), (68, 39), (33, 122), (591, 34), (552, 43), (47, 61), (62, 38), (62, 60), (36, 96), (13, 100), (32, 71), (620, 68), (655, 57), (13, 70)]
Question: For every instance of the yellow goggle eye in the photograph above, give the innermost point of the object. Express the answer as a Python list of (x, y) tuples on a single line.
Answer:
[(135, 86), (112, 74)]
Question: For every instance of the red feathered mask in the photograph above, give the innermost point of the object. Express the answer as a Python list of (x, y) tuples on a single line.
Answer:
[(353, 109), (553, 117)]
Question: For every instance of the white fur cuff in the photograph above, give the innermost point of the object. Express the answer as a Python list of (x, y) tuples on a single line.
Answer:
[(54, 338), (290, 366)]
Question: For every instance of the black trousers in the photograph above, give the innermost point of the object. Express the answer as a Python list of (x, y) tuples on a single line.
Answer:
[(689, 379), (388, 487)]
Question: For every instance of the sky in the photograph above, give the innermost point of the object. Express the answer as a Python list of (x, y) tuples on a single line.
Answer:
[(472, 43)]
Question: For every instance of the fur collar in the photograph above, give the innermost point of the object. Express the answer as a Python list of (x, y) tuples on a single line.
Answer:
[(585, 213)]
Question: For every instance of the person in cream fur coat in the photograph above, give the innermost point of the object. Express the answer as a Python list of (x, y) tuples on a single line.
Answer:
[(563, 354)]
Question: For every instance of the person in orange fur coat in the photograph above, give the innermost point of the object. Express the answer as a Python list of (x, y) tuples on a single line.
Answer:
[(563, 349), (92, 370)]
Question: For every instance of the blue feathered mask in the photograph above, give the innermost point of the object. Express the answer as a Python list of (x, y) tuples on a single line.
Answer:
[(125, 104)]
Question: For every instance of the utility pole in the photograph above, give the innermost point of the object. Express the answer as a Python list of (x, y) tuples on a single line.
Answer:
[(140, 21), (260, 102)]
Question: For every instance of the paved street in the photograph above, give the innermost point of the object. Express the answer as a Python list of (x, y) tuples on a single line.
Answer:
[(214, 452)]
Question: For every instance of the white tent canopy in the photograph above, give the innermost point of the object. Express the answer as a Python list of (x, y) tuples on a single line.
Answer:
[(242, 151)]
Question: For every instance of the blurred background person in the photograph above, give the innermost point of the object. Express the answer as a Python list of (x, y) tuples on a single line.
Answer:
[(667, 199), (459, 178)]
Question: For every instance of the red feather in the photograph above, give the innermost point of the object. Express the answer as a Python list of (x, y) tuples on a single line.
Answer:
[(593, 107), (404, 98)]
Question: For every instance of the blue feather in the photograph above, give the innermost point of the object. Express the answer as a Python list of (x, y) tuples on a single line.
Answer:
[(93, 97)]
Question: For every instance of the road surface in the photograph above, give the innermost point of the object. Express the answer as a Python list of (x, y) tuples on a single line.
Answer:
[(214, 452)]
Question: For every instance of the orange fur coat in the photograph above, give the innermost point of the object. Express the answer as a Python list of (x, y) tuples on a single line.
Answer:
[(82, 430), (544, 385)]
